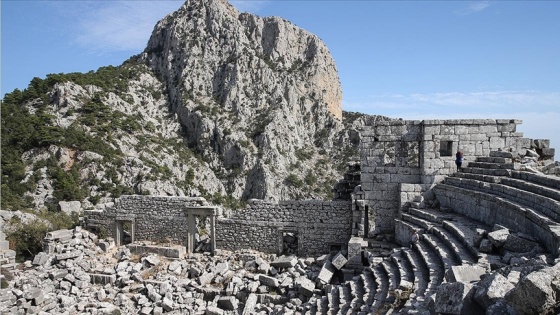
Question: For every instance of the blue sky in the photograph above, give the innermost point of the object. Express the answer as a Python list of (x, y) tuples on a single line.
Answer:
[(407, 59)]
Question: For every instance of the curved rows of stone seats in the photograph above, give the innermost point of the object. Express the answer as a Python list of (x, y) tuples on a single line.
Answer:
[(490, 191)]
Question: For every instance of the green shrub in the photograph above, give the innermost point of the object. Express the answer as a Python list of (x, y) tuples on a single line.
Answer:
[(294, 181)]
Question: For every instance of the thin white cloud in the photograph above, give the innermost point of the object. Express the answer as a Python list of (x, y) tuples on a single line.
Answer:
[(474, 7), (110, 26), (461, 101)]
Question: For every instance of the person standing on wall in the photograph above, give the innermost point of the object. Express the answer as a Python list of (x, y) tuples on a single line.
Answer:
[(459, 160)]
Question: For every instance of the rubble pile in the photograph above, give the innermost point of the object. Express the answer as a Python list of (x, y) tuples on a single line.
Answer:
[(78, 273)]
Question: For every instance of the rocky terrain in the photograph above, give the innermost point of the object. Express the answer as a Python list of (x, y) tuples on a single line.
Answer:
[(84, 274)]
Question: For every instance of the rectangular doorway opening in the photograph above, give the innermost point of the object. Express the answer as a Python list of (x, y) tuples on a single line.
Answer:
[(289, 243), (124, 233)]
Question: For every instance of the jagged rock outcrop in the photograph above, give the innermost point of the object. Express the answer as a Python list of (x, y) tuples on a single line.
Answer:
[(249, 92)]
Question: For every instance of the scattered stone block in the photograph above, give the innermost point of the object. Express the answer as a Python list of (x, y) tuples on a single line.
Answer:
[(167, 304), (486, 246), (306, 286), (518, 244), (464, 273), (206, 278), (491, 289), (263, 268), (250, 304), (456, 298), (40, 259), (339, 261), (284, 262), (269, 281), (228, 303), (498, 237), (533, 294), (212, 310), (326, 273)]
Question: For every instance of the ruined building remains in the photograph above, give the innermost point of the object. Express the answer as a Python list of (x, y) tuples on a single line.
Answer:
[(400, 161)]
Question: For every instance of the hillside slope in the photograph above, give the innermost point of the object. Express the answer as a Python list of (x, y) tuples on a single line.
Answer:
[(224, 105)]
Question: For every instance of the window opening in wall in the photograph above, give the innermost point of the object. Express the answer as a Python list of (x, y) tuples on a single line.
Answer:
[(124, 232), (366, 221), (289, 243), (446, 148)]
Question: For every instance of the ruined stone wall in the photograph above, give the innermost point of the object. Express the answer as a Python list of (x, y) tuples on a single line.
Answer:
[(318, 225), (422, 153), (154, 218)]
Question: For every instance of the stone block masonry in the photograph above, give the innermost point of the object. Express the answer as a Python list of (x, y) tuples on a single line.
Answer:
[(151, 218), (318, 225), (419, 154)]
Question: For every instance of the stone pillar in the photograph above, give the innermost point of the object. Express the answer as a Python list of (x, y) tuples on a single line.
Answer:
[(213, 233), (190, 232)]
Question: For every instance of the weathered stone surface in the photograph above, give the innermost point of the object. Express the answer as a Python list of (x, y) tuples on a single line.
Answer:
[(40, 259), (500, 308), (499, 237), (492, 288), (464, 273), (305, 285), (486, 246), (518, 244), (456, 298), (339, 261), (269, 281), (326, 273), (211, 310), (284, 262), (250, 304), (533, 294), (228, 303), (70, 207)]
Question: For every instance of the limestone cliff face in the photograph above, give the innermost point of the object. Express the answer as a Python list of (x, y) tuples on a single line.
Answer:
[(250, 93)]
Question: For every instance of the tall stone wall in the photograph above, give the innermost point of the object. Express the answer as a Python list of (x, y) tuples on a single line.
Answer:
[(317, 224), (422, 153), (153, 218)]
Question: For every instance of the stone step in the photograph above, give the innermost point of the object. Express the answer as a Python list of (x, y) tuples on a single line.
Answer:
[(535, 188), (433, 264), (540, 179), (547, 206), (492, 159), (322, 305), (492, 209), (426, 215), (334, 300), (394, 278), (421, 272), (503, 154), (444, 253), (382, 283), (463, 233), (486, 165), (424, 224), (480, 177), (357, 292), (345, 298), (486, 171), (460, 253), (405, 269), (370, 288)]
